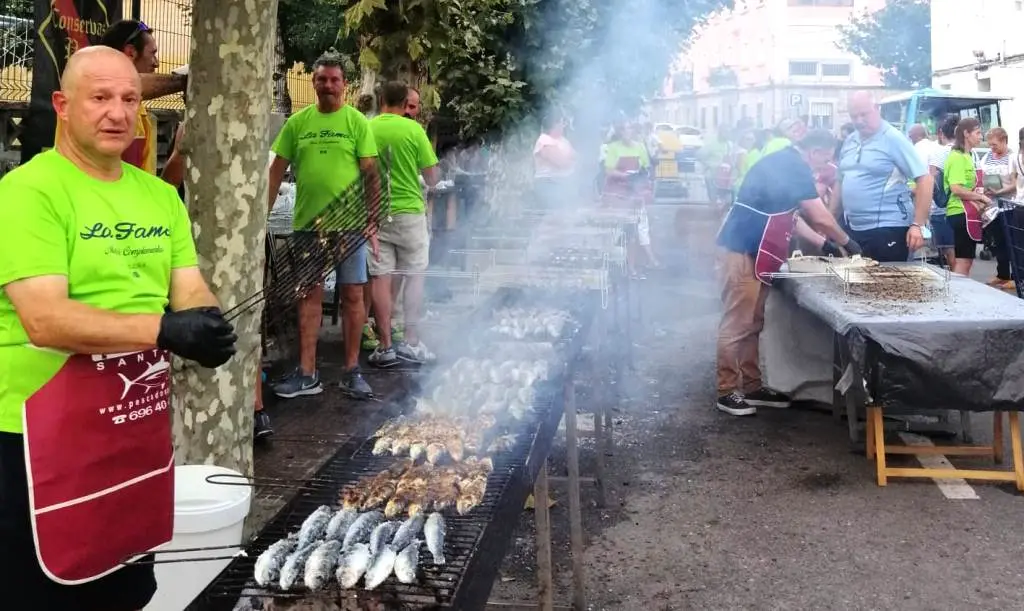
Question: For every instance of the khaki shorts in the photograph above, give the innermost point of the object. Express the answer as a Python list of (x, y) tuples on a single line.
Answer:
[(404, 245)]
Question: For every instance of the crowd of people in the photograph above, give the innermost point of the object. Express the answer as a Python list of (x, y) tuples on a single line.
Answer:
[(873, 191)]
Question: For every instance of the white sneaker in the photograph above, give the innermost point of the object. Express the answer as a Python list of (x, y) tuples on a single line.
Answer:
[(415, 354)]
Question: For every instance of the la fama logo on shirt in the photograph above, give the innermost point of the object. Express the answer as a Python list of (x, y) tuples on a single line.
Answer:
[(324, 134), (124, 231)]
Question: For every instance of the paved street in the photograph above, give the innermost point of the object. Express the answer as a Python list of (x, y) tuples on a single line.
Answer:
[(707, 511)]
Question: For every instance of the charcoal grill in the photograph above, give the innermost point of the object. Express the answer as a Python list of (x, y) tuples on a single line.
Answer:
[(474, 546)]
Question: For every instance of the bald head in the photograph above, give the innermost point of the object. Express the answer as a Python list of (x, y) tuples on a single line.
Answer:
[(864, 112), (97, 61), (97, 105), (917, 133)]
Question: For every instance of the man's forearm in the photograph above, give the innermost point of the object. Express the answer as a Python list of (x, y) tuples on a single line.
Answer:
[(198, 298), (82, 329), (923, 199), (822, 221), (158, 85)]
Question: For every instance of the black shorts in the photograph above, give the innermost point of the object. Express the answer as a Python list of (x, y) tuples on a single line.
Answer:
[(963, 246), (127, 589), (885, 244)]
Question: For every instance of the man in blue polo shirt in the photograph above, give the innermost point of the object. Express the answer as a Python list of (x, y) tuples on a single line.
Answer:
[(754, 242), (876, 163)]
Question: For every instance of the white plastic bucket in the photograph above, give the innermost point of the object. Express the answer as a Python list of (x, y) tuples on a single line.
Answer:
[(205, 515)]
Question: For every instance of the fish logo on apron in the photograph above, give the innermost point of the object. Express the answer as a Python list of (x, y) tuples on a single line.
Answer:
[(100, 463), (773, 247)]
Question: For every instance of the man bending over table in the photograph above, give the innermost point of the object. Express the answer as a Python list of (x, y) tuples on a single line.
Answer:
[(754, 241)]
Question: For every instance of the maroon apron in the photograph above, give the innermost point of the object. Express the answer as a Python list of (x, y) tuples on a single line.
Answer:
[(773, 248), (100, 463)]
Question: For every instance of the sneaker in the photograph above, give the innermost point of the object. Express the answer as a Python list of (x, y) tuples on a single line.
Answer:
[(299, 385), (370, 341), (734, 405), (383, 357), (353, 384), (262, 428), (415, 354), (397, 333), (766, 397)]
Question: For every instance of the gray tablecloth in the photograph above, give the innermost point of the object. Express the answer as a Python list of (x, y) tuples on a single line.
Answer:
[(962, 349)]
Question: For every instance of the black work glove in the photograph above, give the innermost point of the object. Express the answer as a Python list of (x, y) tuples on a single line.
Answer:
[(198, 334), (831, 249)]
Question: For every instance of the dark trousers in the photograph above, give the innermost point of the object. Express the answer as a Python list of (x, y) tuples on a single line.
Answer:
[(885, 244), (997, 239)]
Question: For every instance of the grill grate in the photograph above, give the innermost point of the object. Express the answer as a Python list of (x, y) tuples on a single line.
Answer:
[(474, 544)]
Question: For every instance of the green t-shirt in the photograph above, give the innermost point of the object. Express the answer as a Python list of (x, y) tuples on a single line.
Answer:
[(618, 149), (116, 242), (405, 150), (324, 150), (775, 145), (959, 170)]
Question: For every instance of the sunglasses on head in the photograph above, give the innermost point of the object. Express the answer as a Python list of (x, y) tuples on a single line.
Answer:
[(138, 31)]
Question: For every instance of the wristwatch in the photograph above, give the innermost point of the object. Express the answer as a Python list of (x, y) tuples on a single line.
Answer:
[(926, 231)]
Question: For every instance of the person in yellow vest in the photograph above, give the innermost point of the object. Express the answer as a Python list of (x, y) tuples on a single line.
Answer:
[(135, 39)]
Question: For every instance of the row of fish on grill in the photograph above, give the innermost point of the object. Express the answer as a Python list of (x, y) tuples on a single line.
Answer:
[(484, 386), (348, 546), (413, 489), (530, 323), (434, 437)]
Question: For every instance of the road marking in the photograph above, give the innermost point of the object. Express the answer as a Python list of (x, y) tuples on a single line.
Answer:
[(955, 489)]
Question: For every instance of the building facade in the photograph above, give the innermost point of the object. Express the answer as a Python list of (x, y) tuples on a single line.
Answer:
[(767, 60), (977, 48)]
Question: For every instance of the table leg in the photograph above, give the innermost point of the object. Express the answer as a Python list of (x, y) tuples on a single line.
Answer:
[(575, 511), (878, 430), (542, 516), (1015, 445), (997, 437)]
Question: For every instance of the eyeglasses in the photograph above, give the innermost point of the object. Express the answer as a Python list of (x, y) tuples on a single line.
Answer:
[(139, 30)]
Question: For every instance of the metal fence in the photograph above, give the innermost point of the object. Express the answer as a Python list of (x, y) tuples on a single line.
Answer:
[(170, 21)]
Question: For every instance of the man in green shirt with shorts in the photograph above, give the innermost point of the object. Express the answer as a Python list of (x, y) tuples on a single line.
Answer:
[(330, 148), (100, 286), (404, 241)]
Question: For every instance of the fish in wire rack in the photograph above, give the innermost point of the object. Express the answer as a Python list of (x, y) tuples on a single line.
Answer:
[(522, 323), (415, 489), (372, 550)]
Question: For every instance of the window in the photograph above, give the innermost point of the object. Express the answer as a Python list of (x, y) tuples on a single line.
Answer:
[(821, 2), (985, 85), (760, 115), (835, 69), (743, 111), (714, 116), (703, 118), (803, 68), (822, 115)]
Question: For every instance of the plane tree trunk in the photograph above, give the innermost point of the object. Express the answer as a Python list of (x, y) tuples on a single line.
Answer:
[(226, 148)]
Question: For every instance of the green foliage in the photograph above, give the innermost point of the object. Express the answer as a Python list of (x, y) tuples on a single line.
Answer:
[(896, 39), (494, 64), (310, 27)]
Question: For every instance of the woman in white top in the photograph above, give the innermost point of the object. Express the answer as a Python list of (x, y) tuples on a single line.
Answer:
[(554, 161), (999, 180)]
